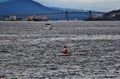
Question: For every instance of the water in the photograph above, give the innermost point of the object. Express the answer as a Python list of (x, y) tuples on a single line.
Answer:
[(30, 52)]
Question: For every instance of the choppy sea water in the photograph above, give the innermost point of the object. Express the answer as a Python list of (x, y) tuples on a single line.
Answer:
[(30, 52)]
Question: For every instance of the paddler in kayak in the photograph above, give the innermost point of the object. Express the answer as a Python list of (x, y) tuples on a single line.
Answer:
[(66, 51)]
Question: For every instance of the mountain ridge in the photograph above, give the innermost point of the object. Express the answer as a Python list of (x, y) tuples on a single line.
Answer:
[(29, 7), (24, 7)]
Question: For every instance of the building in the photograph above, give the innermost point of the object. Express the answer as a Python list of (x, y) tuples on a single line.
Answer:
[(12, 18)]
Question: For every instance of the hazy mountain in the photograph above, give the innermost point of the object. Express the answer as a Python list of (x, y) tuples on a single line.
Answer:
[(24, 7), (18, 7)]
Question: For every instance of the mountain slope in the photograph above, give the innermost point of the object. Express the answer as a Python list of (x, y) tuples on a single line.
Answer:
[(23, 7), (28, 7)]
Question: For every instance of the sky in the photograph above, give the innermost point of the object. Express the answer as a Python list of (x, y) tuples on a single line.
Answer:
[(97, 5)]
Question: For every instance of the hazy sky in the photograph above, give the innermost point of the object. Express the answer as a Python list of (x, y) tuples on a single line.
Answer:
[(88, 1), (100, 5)]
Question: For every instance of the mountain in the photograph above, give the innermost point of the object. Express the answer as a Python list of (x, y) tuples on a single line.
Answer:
[(24, 7), (112, 15), (28, 7)]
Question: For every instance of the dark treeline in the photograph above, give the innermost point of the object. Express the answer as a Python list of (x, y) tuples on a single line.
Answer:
[(110, 16)]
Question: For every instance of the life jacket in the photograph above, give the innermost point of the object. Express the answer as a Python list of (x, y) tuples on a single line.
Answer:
[(65, 51)]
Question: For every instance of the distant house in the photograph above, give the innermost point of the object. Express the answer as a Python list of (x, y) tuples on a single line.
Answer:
[(30, 18), (39, 18), (36, 18), (12, 18)]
